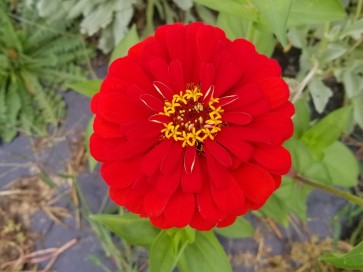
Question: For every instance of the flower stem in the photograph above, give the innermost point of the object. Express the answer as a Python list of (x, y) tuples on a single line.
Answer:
[(329, 189)]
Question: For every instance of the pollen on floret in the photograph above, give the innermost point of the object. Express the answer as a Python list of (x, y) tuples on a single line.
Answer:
[(192, 119)]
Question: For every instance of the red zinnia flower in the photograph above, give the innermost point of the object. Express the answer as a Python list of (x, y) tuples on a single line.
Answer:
[(189, 127)]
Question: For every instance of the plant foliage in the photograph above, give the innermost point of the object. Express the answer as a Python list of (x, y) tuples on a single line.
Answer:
[(34, 59)]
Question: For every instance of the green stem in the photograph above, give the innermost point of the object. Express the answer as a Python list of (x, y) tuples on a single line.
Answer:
[(329, 189)]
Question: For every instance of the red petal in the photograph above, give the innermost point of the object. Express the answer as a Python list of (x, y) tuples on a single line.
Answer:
[(177, 78), (286, 109), (207, 72), (256, 183), (247, 133), (199, 223), (225, 100), (277, 159), (207, 207), (229, 220), (235, 145), (163, 90), (227, 78), (231, 199), (106, 129), (189, 159), (275, 90), (180, 209), (173, 160), (207, 41), (147, 132), (130, 71), (117, 195), (192, 182), (238, 118), (120, 174), (218, 173), (154, 203), (117, 108), (219, 153), (158, 67), (152, 161), (160, 222), (103, 149), (94, 103), (167, 185), (152, 102), (159, 119)]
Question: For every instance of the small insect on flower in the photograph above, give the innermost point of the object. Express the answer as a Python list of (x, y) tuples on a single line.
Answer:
[(189, 128)]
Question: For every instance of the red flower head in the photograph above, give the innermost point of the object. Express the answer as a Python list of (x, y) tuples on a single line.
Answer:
[(189, 127)]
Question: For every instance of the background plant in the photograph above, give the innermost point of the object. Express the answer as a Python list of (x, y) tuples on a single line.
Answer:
[(35, 59)]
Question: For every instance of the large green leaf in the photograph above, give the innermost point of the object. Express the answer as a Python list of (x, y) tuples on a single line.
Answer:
[(341, 164), (205, 254), (275, 14), (168, 247), (242, 8), (87, 88), (318, 171), (163, 255), (301, 155), (328, 130), (314, 12), (122, 48), (351, 260), (240, 228), (301, 118), (135, 230)]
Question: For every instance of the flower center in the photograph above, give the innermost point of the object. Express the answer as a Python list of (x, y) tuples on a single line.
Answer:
[(193, 117)]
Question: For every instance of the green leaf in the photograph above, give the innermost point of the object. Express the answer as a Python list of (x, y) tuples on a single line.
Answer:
[(314, 12), (357, 103), (87, 88), (275, 14), (168, 247), (319, 172), (241, 8), (135, 230), (236, 27), (162, 253), (205, 254), (301, 118), (332, 52), (205, 14), (320, 94), (301, 155), (351, 260), (122, 48), (276, 209), (341, 164), (329, 129), (295, 195), (92, 163), (241, 228), (354, 29)]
